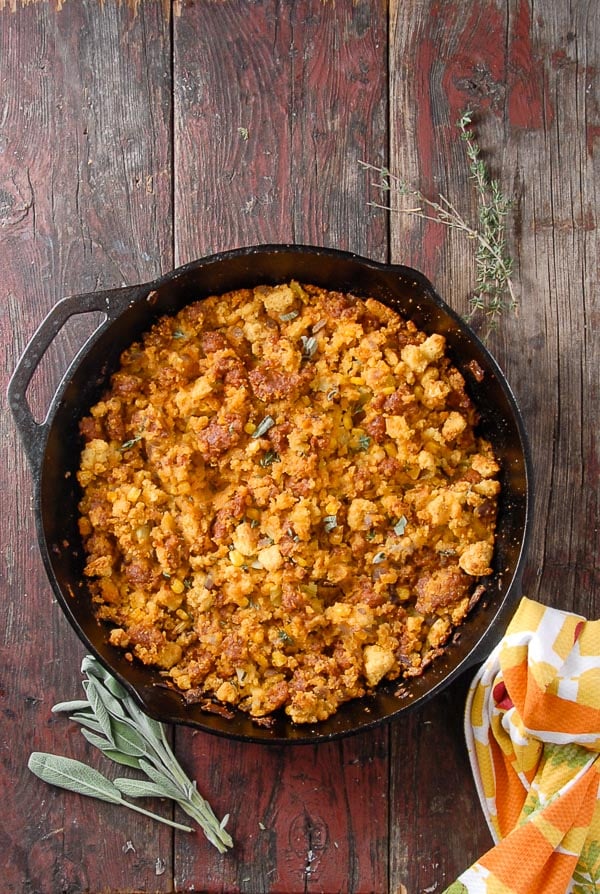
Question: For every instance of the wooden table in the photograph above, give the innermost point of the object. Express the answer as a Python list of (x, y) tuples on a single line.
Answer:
[(137, 136)]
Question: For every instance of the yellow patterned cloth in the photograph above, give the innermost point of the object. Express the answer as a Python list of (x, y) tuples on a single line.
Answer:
[(532, 725)]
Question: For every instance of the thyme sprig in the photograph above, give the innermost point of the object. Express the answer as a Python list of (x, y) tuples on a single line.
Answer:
[(494, 292), (112, 722)]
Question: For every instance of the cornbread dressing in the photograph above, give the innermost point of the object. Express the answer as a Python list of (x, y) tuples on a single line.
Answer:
[(285, 500)]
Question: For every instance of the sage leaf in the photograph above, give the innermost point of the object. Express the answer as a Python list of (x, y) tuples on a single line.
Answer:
[(400, 526), (92, 667), (95, 740), (112, 704), (99, 708), (108, 750), (270, 457), (74, 776), (309, 346), (143, 722), (87, 720), (141, 788), (161, 779), (70, 707), (125, 760), (115, 687), (127, 739)]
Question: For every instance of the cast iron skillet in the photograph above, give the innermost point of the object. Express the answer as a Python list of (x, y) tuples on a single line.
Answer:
[(53, 448)]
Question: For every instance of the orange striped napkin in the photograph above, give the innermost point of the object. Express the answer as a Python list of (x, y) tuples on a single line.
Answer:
[(532, 725)]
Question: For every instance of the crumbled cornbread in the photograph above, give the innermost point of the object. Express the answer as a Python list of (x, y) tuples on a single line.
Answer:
[(285, 500)]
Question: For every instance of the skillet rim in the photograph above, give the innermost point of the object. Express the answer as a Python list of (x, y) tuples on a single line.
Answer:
[(375, 709)]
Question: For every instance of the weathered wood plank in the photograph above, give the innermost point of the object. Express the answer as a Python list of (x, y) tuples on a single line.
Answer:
[(302, 817), (455, 51), (274, 105), (270, 121), (557, 167), (536, 110), (85, 195), (338, 111), (437, 827)]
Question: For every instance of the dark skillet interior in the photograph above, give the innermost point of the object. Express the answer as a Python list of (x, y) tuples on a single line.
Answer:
[(399, 287)]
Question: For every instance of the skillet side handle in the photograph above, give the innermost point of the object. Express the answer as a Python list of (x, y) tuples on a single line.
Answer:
[(33, 434)]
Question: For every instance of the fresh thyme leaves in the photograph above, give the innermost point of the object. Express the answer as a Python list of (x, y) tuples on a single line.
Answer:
[(494, 292), (494, 264), (112, 722), (76, 776)]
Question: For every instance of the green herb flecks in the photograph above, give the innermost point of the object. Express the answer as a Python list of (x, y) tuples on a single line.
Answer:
[(309, 346), (400, 526), (329, 523), (112, 722), (359, 406), (127, 445), (263, 427), (364, 442), (269, 458)]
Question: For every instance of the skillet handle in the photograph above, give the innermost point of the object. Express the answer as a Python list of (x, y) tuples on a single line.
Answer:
[(33, 434)]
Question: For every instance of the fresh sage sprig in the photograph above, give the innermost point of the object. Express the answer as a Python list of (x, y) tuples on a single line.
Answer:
[(76, 776), (494, 292), (113, 723)]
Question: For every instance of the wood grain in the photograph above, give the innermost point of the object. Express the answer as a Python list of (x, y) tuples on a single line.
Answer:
[(133, 139), (85, 192), (533, 111), (268, 135), (268, 132)]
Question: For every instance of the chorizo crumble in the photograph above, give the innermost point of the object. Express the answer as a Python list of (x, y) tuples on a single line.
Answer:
[(285, 500)]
